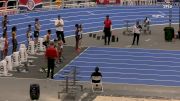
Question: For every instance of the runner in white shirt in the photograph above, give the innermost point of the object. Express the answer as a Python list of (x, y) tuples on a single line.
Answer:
[(59, 24), (136, 31)]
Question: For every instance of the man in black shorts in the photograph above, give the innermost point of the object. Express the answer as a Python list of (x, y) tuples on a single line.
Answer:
[(36, 30)]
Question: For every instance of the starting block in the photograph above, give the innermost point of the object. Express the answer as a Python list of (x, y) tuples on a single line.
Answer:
[(4, 69), (31, 48), (40, 46), (98, 37), (94, 35), (9, 63), (90, 35)]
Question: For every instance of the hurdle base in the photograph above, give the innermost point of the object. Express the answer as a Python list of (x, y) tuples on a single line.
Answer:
[(8, 75)]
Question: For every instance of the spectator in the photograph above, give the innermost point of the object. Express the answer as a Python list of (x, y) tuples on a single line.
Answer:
[(77, 37), (59, 23), (136, 31), (47, 38), (36, 31), (14, 40), (107, 29), (146, 24), (80, 33), (6, 45), (60, 50), (4, 24), (96, 73), (51, 55), (29, 34)]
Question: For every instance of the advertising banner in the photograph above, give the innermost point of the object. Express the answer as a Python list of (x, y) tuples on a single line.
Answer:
[(30, 4), (108, 1)]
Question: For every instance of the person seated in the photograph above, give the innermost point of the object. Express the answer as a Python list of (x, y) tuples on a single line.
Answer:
[(96, 73)]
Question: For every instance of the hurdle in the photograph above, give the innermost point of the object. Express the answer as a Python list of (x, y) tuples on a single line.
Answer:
[(71, 86), (127, 31)]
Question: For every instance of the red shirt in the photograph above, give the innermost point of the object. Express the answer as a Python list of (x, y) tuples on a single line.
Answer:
[(51, 52), (107, 23), (6, 44)]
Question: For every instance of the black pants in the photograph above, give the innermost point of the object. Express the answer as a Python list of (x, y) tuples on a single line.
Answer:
[(107, 35), (136, 35), (77, 37), (14, 43), (60, 34), (36, 34), (2, 55), (51, 64)]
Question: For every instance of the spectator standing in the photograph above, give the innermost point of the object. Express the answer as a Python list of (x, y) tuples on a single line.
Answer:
[(51, 55), (60, 51), (14, 40), (6, 45), (59, 23), (136, 31), (107, 29), (47, 38), (4, 24), (29, 34), (96, 73), (77, 37), (36, 30)]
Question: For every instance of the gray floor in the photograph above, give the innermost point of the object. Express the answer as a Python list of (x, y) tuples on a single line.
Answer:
[(17, 88)]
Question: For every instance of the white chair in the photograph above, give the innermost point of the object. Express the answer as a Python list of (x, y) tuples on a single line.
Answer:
[(97, 86)]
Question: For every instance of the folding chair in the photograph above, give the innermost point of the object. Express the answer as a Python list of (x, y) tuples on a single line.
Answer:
[(96, 86)]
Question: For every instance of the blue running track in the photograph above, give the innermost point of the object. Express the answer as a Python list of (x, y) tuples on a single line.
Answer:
[(91, 18), (129, 66)]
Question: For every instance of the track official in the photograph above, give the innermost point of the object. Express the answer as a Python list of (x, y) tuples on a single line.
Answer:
[(51, 55), (107, 30)]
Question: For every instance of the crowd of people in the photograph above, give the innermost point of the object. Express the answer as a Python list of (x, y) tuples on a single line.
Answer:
[(51, 47)]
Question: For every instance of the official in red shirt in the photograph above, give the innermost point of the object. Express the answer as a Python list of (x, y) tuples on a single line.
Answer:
[(107, 29), (51, 54)]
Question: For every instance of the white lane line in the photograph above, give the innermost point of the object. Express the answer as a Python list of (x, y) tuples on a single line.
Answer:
[(80, 76), (122, 63), (111, 59), (131, 56), (139, 48), (71, 61), (118, 14), (90, 13), (138, 69), (114, 73), (127, 51), (123, 10)]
